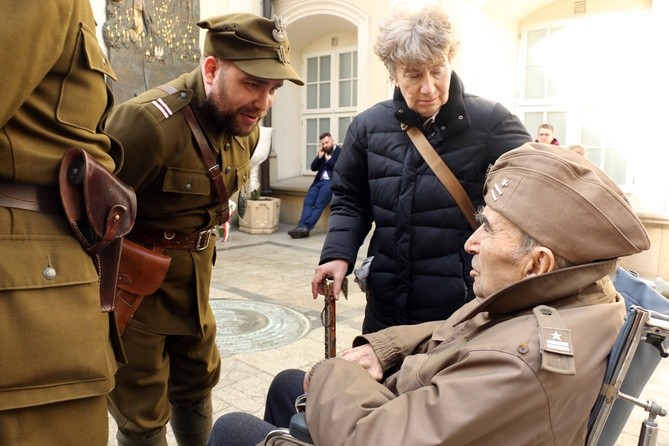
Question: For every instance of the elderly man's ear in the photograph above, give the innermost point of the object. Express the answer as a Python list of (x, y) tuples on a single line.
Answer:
[(540, 261)]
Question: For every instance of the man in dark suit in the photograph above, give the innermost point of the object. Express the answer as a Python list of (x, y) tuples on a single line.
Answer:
[(319, 193)]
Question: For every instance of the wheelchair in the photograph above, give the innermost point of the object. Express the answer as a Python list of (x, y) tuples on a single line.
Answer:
[(640, 346)]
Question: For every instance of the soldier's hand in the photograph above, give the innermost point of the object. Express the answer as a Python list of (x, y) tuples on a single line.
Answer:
[(335, 270), (365, 356)]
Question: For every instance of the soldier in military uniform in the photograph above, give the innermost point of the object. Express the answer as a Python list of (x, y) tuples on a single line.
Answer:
[(173, 362), (57, 359)]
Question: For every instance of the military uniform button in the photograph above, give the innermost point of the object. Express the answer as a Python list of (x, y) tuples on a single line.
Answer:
[(226, 147), (227, 169), (104, 61), (49, 273), (523, 348), (188, 187), (183, 95)]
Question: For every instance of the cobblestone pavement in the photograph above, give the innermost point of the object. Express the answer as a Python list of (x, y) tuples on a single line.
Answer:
[(267, 322)]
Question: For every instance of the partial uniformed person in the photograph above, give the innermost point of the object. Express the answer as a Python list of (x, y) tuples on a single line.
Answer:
[(173, 362), (523, 363), (55, 347)]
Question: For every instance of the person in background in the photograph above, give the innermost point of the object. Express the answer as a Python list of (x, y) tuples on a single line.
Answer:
[(545, 135), (522, 364), (57, 355), (173, 362), (419, 270), (319, 193)]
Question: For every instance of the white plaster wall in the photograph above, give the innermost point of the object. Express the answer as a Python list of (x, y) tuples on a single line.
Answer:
[(488, 56)]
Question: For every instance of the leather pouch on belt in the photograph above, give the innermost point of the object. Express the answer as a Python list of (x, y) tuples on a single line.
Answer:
[(141, 272), (101, 210)]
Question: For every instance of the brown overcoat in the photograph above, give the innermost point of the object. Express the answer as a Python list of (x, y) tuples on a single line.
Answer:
[(476, 381)]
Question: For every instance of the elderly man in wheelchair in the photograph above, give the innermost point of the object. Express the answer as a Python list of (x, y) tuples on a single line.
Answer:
[(523, 364)]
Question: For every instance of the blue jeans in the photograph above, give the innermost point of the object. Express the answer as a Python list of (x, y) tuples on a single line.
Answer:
[(242, 429), (318, 196)]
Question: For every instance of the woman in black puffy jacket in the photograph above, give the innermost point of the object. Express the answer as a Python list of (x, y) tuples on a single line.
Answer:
[(420, 270)]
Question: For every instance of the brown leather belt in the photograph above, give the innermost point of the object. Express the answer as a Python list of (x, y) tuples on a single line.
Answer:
[(30, 197), (170, 239)]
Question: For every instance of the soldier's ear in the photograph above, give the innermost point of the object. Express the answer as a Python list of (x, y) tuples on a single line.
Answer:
[(209, 68)]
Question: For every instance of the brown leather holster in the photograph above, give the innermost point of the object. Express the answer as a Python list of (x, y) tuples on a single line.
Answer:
[(141, 273), (101, 210)]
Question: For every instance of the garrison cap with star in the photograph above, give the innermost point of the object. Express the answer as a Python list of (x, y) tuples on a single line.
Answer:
[(257, 45), (564, 202)]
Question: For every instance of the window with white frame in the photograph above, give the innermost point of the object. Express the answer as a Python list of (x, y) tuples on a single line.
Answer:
[(576, 77), (331, 97)]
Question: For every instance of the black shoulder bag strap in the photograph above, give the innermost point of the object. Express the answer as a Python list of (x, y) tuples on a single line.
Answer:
[(444, 174), (213, 168)]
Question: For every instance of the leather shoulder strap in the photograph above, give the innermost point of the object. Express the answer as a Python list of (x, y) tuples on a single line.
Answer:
[(444, 174), (213, 168)]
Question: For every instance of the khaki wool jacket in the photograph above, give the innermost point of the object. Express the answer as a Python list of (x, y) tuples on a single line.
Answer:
[(477, 378), (54, 341), (164, 165)]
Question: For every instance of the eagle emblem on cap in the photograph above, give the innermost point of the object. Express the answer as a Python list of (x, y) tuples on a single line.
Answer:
[(279, 33)]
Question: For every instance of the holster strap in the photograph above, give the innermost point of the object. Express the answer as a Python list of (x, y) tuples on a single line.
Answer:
[(30, 197), (170, 239)]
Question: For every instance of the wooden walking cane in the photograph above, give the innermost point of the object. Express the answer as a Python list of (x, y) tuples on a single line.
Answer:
[(329, 317)]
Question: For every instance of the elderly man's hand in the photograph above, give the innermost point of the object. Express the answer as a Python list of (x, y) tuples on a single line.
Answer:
[(363, 355)]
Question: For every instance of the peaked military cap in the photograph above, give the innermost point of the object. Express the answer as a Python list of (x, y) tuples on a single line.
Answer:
[(257, 45), (564, 202)]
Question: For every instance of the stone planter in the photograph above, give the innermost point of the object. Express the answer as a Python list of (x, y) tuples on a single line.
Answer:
[(262, 216)]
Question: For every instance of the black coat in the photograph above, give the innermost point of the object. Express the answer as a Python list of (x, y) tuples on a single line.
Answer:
[(420, 270)]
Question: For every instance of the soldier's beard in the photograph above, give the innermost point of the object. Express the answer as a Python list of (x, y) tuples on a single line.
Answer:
[(232, 121)]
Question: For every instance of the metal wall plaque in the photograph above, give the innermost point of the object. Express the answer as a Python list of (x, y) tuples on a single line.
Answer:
[(150, 42)]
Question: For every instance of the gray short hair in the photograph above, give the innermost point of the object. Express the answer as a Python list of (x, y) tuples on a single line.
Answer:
[(415, 37), (526, 245)]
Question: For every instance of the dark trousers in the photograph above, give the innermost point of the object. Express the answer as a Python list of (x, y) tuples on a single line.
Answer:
[(242, 429), (318, 196)]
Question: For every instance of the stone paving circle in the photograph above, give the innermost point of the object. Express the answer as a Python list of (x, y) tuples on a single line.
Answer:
[(247, 326)]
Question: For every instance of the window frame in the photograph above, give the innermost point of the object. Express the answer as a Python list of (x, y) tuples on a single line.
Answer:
[(333, 113), (575, 123)]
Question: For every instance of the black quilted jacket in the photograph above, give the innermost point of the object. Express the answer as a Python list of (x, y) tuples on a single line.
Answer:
[(420, 270)]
